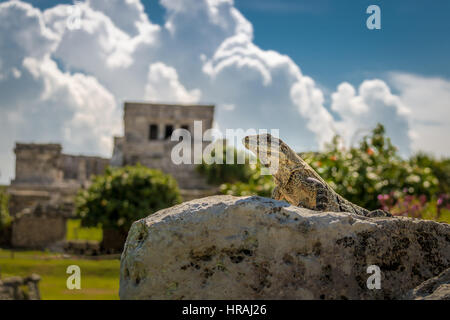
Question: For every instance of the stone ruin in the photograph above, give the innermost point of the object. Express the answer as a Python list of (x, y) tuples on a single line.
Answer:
[(46, 175), (47, 180), (40, 226), (148, 128), (13, 288)]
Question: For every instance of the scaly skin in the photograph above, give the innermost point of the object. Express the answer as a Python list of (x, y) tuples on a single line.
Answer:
[(298, 183)]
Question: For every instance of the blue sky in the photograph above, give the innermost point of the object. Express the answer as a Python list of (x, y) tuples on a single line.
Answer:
[(308, 68), (330, 41)]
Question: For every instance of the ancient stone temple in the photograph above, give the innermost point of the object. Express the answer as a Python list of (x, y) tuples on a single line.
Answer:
[(147, 140), (46, 175), (47, 180)]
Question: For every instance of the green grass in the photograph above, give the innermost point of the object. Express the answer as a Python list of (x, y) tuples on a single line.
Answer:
[(99, 278), (76, 232)]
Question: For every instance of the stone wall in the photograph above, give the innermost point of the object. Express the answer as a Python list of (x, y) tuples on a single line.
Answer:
[(45, 175), (39, 227), (139, 116), (45, 164), (22, 199), (12, 288), (139, 145), (81, 168), (38, 163)]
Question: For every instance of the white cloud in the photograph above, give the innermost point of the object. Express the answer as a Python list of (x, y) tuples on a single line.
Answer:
[(373, 103), (345, 100), (56, 83), (41, 103), (23, 32), (428, 99), (163, 85)]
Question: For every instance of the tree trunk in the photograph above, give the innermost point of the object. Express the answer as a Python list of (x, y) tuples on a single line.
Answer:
[(113, 240)]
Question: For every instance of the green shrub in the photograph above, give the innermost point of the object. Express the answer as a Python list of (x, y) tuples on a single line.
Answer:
[(256, 184), (123, 195), (76, 232), (219, 172), (374, 167), (237, 179)]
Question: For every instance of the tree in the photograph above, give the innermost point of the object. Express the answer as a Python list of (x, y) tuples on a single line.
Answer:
[(123, 195)]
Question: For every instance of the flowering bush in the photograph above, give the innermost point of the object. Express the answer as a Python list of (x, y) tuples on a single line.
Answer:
[(362, 173), (408, 205), (417, 206)]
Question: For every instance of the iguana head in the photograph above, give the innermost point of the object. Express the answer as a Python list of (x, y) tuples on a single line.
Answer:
[(272, 152)]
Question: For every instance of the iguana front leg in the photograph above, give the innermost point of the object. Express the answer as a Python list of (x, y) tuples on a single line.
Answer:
[(323, 195), (305, 191)]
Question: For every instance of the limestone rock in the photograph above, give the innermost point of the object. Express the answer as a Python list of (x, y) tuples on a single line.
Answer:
[(12, 288), (225, 247), (437, 288)]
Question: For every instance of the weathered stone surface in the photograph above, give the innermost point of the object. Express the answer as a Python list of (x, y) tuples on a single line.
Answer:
[(225, 247), (13, 288), (437, 288)]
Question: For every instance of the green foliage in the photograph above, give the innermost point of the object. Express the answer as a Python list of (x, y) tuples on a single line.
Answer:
[(100, 277), (5, 219), (417, 206), (219, 172), (261, 185), (236, 179), (123, 195), (361, 174), (77, 232), (440, 168)]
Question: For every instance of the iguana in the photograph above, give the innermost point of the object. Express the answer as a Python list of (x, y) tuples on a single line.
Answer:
[(298, 183)]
